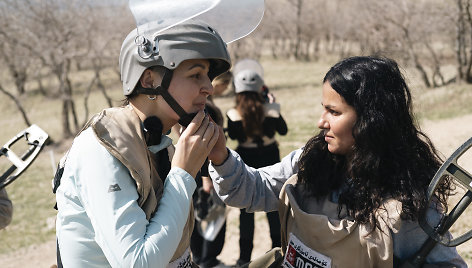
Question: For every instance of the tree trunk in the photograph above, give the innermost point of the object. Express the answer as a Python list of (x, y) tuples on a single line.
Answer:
[(436, 67), (72, 104), (468, 72), (66, 133), (411, 51), (460, 41), (298, 30), (65, 96), (18, 105)]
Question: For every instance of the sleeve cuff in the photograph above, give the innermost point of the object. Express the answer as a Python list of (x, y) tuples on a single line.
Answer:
[(187, 179), (227, 167), (229, 153)]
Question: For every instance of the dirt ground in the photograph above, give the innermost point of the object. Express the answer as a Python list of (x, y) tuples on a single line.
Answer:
[(447, 135)]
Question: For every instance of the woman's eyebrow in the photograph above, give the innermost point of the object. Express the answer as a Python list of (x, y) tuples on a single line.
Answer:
[(197, 65), (328, 106)]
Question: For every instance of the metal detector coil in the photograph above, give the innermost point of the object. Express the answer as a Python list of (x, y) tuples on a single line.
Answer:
[(439, 234), (452, 169), (36, 138)]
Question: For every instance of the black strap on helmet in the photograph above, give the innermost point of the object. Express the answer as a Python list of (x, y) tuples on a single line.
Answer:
[(162, 90)]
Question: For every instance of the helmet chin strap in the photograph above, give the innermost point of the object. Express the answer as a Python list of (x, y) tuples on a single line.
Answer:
[(185, 118)]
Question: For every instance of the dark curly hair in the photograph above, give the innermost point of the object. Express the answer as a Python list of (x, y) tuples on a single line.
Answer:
[(391, 157), (250, 106)]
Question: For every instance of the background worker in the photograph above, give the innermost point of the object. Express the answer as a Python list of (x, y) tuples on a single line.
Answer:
[(253, 122)]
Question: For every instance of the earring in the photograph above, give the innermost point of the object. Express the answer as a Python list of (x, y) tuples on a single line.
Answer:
[(152, 97)]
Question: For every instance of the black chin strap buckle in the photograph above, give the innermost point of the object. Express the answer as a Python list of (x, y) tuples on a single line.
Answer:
[(162, 90)]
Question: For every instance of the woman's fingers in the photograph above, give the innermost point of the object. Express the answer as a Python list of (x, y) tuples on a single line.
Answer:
[(195, 143), (210, 136), (203, 126), (219, 152), (195, 123), (214, 136)]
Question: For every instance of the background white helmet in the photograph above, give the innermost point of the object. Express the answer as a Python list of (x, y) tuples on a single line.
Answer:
[(248, 76)]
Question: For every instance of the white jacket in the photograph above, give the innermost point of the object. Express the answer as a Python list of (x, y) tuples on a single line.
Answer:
[(99, 222)]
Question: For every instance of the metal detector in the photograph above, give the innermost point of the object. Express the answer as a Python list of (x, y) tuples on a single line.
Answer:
[(437, 234), (35, 139)]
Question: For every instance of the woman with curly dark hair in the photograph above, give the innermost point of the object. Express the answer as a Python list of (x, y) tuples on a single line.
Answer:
[(353, 195)]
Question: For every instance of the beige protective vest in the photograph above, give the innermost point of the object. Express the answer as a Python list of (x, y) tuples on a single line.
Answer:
[(320, 239), (113, 128)]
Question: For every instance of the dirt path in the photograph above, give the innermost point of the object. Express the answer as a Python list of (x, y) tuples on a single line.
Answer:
[(447, 135)]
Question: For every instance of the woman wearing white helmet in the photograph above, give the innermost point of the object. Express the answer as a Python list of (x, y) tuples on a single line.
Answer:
[(121, 201), (254, 123)]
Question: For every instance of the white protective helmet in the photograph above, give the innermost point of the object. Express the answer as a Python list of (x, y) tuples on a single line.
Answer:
[(187, 40), (248, 76), (171, 31)]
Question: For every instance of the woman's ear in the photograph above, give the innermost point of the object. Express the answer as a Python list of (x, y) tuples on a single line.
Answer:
[(147, 79)]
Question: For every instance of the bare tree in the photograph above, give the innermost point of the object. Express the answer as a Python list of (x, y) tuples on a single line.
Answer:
[(14, 59), (61, 36), (410, 30), (17, 66), (104, 51), (418, 33)]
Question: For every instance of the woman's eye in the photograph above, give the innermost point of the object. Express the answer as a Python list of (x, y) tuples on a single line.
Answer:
[(333, 112)]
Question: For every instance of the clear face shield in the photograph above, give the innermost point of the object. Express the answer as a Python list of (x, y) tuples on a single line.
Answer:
[(231, 19)]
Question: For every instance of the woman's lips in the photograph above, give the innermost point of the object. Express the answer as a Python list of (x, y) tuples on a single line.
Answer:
[(328, 138), (200, 106)]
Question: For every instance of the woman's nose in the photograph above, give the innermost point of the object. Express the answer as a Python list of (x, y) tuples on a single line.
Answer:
[(323, 123), (208, 87)]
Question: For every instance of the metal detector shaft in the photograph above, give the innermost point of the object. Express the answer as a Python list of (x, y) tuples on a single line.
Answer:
[(441, 230), (438, 234)]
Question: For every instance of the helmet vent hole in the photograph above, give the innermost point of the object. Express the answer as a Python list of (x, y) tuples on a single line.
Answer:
[(211, 30)]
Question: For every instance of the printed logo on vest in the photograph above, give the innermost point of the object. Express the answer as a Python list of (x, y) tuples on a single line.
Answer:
[(114, 188), (298, 255)]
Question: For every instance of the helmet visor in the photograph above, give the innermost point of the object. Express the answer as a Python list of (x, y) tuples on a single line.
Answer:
[(163, 14), (231, 19), (234, 19)]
